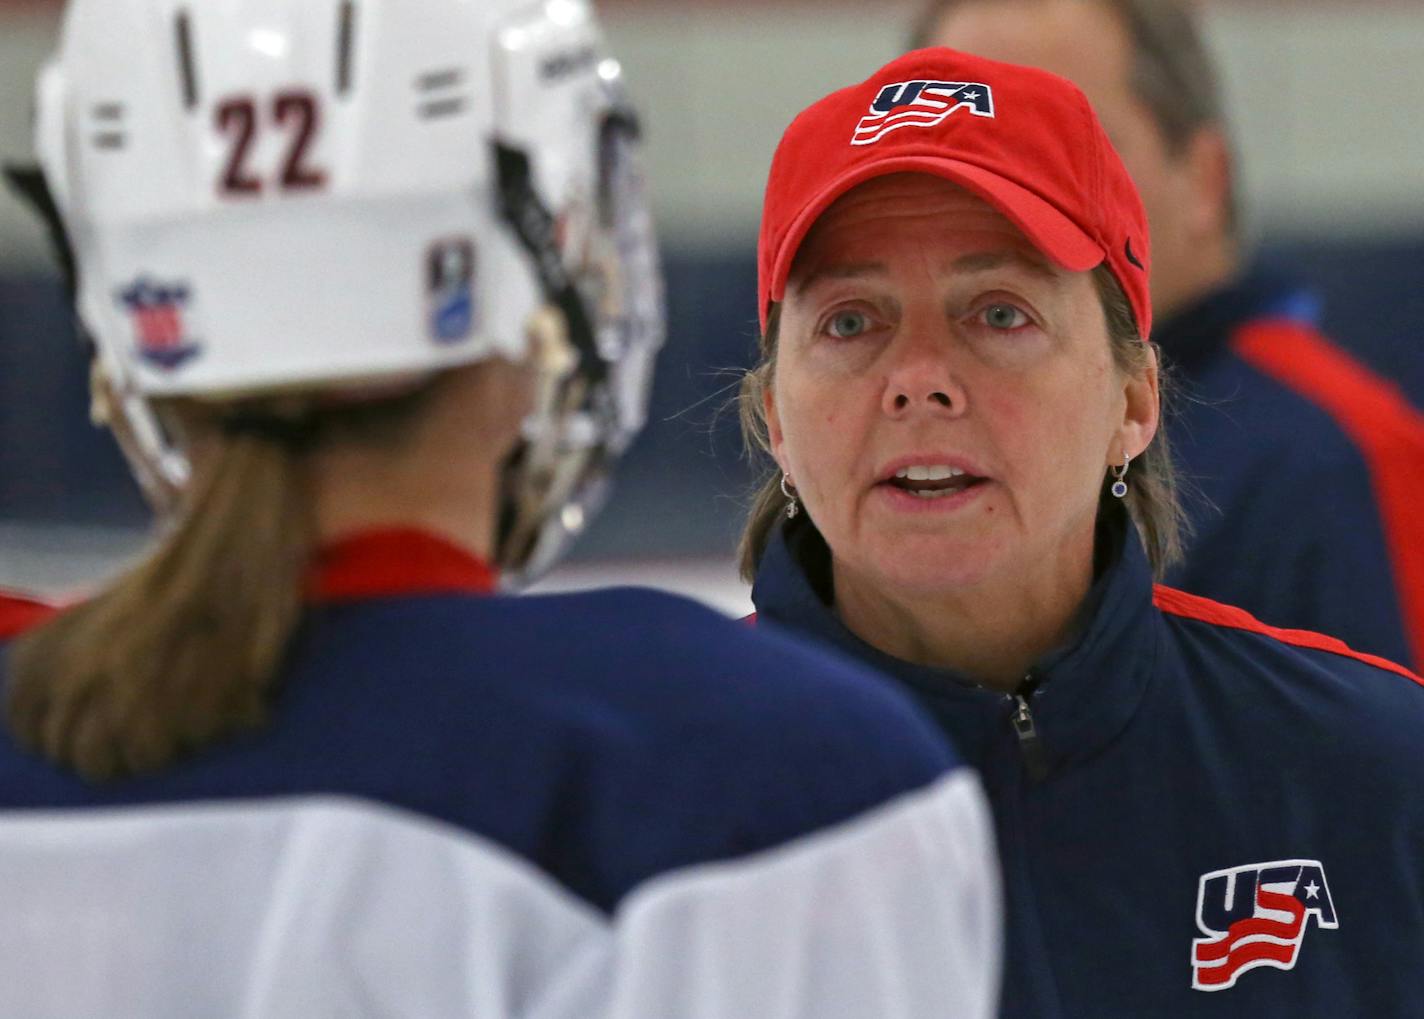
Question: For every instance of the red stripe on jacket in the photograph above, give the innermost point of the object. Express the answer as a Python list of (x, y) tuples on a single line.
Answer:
[(1381, 423), (1190, 606)]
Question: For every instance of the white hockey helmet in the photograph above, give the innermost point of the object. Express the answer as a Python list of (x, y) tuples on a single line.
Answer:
[(269, 195)]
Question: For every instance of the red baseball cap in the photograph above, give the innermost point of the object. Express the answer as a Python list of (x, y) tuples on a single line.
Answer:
[(1024, 140)]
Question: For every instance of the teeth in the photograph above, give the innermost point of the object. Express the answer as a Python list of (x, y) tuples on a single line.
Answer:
[(936, 472)]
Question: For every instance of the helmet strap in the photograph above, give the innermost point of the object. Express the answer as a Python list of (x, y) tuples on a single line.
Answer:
[(534, 225)]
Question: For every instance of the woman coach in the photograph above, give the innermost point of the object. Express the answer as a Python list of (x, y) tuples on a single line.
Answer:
[(1198, 814)]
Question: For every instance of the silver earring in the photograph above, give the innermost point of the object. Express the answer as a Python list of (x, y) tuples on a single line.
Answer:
[(792, 506), (1119, 487)]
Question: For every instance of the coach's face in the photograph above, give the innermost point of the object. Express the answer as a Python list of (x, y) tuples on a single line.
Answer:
[(1087, 43), (945, 398)]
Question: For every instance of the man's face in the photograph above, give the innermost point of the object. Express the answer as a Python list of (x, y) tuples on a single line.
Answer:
[(1085, 42)]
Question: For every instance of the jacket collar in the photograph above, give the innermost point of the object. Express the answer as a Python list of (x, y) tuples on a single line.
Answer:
[(1202, 329), (1087, 691)]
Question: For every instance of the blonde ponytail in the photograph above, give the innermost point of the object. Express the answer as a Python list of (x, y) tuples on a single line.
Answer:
[(182, 649)]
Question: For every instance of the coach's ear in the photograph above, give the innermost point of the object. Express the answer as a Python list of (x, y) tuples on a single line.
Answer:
[(775, 438)]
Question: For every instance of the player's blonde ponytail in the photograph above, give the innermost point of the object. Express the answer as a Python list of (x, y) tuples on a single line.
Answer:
[(183, 648)]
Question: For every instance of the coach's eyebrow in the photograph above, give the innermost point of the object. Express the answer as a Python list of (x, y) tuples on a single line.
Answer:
[(844, 271), (984, 261)]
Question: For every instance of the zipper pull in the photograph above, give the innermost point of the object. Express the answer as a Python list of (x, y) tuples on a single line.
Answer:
[(1034, 755)]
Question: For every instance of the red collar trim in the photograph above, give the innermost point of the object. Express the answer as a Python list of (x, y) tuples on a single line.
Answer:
[(396, 561), (20, 613)]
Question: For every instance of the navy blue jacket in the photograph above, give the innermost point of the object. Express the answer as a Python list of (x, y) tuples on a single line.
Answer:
[(1181, 771), (1304, 471)]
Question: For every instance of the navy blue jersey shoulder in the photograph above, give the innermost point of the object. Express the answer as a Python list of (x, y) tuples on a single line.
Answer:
[(1334, 726), (1281, 499), (606, 737), (1185, 759)]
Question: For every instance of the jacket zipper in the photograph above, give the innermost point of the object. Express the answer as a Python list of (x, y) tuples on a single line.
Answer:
[(1031, 747)]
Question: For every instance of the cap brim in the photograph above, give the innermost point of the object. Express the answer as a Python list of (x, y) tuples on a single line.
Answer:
[(1047, 229)]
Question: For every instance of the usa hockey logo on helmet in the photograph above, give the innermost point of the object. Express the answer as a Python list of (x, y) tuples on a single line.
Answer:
[(160, 328), (1256, 915), (921, 104)]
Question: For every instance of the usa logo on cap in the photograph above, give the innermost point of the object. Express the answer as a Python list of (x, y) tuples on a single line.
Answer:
[(157, 311), (921, 104), (1256, 915)]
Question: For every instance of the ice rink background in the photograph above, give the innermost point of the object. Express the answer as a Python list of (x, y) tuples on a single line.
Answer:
[(1325, 96), (64, 559)]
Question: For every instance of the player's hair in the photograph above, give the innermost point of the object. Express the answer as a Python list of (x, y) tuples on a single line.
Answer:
[(183, 649), (1152, 498), (1173, 73)]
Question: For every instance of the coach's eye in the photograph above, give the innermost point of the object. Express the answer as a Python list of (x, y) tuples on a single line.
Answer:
[(1004, 316), (847, 324)]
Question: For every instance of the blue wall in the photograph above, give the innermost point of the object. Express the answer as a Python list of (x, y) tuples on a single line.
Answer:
[(683, 487)]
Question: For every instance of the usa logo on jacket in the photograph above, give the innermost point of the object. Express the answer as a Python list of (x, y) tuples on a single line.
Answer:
[(1256, 915)]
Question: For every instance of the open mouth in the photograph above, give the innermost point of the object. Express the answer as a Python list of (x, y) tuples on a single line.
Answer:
[(933, 481)]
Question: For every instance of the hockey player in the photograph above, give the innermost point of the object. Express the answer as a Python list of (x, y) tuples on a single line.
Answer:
[(375, 300)]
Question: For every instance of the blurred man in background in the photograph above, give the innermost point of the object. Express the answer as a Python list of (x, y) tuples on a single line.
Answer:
[(1309, 469)]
